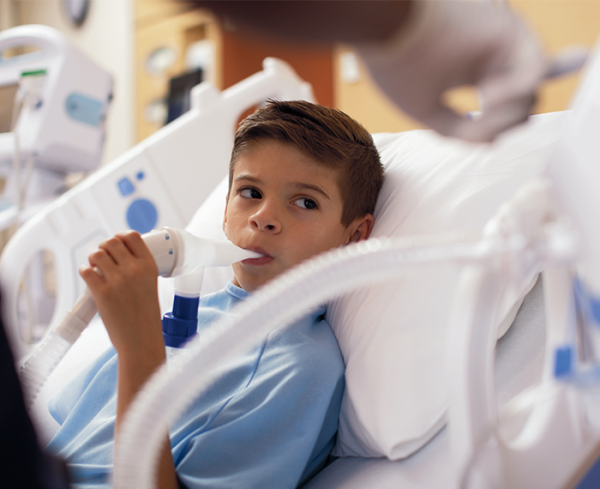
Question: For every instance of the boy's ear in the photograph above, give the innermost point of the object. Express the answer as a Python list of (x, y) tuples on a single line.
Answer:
[(360, 228), (225, 217)]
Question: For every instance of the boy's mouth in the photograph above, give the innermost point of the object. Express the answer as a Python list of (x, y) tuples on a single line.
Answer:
[(263, 260)]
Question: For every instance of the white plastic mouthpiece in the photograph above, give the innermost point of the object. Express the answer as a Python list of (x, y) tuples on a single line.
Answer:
[(200, 252), (178, 252)]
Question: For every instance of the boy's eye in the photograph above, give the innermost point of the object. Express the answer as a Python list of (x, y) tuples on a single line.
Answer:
[(305, 203), (250, 193)]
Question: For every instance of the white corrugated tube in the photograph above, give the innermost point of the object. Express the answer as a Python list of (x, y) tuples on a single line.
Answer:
[(287, 298), (42, 362)]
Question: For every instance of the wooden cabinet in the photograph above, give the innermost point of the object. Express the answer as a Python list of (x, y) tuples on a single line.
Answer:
[(164, 30), (174, 26), (243, 54)]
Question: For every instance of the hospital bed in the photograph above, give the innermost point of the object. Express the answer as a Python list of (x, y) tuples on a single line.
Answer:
[(395, 406)]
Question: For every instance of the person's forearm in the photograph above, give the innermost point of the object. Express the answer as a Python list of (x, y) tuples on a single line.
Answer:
[(122, 277), (136, 365), (324, 21)]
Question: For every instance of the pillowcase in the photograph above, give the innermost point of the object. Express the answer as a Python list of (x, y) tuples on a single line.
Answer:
[(392, 335)]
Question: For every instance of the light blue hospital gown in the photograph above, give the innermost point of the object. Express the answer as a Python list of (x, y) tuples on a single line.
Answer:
[(269, 422)]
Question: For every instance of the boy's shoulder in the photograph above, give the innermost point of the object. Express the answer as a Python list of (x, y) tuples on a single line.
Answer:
[(213, 306), (227, 296), (308, 343)]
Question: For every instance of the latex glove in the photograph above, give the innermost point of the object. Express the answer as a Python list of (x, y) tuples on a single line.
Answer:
[(448, 44)]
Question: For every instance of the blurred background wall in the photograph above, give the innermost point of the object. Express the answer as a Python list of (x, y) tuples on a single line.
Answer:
[(153, 47)]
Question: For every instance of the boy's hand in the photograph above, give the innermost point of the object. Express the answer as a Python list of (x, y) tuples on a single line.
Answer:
[(122, 279)]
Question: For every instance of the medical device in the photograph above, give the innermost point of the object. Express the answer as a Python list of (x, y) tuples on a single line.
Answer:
[(54, 106), (176, 253), (141, 190), (561, 417)]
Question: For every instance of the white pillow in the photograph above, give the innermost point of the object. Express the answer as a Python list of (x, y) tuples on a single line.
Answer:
[(392, 336)]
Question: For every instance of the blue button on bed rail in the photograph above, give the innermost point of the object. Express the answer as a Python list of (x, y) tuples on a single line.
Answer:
[(563, 361), (142, 216), (125, 186)]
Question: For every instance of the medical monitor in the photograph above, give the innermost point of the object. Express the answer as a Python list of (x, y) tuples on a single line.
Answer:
[(64, 101), (180, 89)]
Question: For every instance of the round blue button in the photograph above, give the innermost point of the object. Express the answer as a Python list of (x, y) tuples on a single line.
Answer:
[(142, 216)]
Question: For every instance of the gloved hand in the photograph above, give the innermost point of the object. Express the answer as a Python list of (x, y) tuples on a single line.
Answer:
[(448, 44)]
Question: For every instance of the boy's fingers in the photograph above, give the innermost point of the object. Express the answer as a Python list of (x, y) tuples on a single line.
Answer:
[(101, 260), (115, 248), (91, 277), (134, 243)]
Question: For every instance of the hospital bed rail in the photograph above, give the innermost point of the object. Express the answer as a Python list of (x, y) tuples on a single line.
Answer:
[(160, 181)]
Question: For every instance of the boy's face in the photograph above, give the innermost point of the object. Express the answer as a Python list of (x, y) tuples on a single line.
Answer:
[(286, 206)]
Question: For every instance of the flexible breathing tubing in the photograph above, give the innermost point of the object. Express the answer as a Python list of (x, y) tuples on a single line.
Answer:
[(177, 254), (287, 298)]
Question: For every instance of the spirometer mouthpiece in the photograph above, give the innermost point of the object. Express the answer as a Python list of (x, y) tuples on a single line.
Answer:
[(178, 252)]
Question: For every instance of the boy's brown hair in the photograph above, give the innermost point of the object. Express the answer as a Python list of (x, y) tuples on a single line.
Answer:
[(326, 135)]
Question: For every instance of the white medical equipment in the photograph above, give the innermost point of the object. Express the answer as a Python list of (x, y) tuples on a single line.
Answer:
[(561, 417), (53, 106), (159, 182), (57, 120), (177, 254)]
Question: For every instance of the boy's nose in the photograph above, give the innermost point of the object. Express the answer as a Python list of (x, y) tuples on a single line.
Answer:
[(265, 219)]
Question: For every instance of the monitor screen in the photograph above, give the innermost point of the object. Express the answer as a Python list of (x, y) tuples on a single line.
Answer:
[(180, 89), (7, 97)]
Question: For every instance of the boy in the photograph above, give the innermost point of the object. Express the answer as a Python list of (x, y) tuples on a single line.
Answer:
[(303, 179)]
